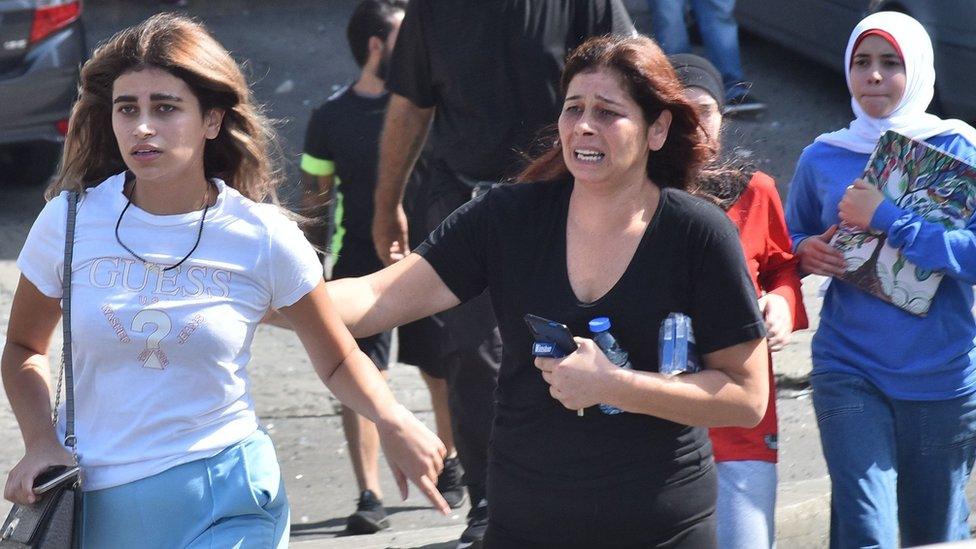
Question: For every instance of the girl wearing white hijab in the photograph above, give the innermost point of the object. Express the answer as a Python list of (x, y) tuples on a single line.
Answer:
[(894, 393)]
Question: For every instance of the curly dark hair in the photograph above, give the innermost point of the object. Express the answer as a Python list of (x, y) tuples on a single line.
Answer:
[(651, 82)]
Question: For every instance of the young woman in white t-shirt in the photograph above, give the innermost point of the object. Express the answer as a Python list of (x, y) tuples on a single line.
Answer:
[(177, 258)]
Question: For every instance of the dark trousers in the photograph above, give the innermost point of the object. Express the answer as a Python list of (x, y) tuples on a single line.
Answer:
[(472, 374), (472, 351)]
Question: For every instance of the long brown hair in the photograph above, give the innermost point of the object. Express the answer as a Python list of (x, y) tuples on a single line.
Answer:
[(723, 182), (244, 154), (648, 77)]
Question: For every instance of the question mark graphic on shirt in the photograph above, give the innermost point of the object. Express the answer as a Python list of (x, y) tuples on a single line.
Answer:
[(153, 357)]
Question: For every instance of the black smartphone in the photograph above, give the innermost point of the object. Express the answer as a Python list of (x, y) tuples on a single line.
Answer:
[(552, 339), (54, 476)]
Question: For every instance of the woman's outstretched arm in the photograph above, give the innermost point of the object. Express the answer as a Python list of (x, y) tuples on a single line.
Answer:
[(411, 449), (407, 290)]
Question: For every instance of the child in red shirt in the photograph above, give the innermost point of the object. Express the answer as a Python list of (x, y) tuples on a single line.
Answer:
[(746, 458)]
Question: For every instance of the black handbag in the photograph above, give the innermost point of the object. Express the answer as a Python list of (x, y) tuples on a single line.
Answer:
[(51, 522)]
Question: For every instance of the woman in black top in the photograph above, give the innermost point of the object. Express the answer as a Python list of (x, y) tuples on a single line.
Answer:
[(608, 232)]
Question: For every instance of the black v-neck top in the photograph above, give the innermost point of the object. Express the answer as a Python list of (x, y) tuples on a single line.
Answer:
[(512, 241)]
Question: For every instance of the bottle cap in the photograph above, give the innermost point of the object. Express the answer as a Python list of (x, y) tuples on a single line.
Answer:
[(599, 324)]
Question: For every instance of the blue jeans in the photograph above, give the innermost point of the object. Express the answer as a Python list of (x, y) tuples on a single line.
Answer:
[(746, 504), (718, 29), (233, 499), (895, 465)]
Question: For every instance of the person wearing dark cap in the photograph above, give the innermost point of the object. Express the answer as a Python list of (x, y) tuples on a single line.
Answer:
[(697, 72), (746, 457), (719, 32)]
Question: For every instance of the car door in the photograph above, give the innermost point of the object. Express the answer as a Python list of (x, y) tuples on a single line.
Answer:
[(16, 17), (816, 28), (952, 27)]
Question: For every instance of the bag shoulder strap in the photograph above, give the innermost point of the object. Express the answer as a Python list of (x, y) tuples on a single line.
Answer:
[(69, 389)]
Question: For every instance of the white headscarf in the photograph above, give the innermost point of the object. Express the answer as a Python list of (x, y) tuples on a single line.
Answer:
[(909, 117)]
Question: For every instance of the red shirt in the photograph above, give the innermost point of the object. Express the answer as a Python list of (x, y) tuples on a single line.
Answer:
[(768, 250)]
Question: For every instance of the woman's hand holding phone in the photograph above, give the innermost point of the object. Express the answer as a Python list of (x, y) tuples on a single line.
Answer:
[(38, 459), (578, 380), (552, 340), (54, 477)]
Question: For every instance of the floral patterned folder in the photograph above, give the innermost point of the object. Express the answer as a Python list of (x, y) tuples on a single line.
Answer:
[(920, 178)]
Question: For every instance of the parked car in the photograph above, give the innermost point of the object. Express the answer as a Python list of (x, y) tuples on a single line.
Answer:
[(819, 29), (42, 47)]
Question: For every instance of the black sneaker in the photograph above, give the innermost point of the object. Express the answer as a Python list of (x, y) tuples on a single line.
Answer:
[(473, 536), (370, 516), (743, 104), (449, 482)]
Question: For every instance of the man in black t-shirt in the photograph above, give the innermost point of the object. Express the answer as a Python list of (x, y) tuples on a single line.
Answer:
[(341, 149), (490, 69)]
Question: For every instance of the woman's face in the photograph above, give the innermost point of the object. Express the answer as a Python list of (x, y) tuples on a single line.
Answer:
[(602, 130), (877, 76), (159, 127)]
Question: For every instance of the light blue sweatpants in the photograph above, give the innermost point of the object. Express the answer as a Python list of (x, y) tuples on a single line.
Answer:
[(233, 499)]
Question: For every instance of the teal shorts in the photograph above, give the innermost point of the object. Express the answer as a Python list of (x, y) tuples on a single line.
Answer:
[(233, 499)]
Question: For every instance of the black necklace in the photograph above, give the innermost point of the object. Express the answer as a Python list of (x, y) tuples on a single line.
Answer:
[(149, 264)]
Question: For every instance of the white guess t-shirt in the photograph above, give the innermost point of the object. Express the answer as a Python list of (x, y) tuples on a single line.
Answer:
[(159, 359)]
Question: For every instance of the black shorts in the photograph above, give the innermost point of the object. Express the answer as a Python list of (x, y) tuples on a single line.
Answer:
[(420, 346), (358, 259), (420, 341), (377, 348)]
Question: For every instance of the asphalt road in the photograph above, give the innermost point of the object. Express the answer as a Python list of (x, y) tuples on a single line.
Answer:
[(295, 55)]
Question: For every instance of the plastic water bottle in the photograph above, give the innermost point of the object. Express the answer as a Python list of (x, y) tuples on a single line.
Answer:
[(600, 328)]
